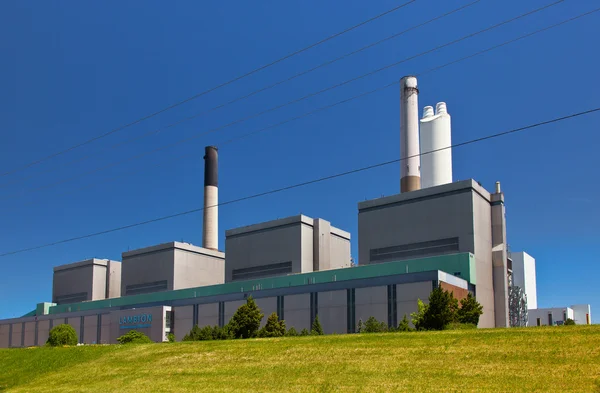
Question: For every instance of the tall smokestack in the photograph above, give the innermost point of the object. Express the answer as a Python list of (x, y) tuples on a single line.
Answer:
[(410, 171), (210, 235)]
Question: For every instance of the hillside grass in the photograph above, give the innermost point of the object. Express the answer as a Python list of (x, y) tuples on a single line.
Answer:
[(545, 359)]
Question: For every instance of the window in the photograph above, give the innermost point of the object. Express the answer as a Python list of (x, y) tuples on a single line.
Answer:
[(550, 319), (565, 316), (395, 253), (539, 322), (137, 289), (71, 298), (274, 269), (169, 321)]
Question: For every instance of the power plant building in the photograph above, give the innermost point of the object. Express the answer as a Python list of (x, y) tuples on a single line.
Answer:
[(435, 233)]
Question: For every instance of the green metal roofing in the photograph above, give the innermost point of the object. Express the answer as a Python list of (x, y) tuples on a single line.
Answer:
[(461, 265)]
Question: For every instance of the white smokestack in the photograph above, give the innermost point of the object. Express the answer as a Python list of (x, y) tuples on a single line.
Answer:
[(210, 234), (410, 171), (436, 134)]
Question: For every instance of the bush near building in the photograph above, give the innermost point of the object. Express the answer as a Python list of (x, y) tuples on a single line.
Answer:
[(444, 310), (134, 337), (470, 310), (569, 322), (292, 332), (372, 325), (246, 320), (316, 329), (273, 328), (60, 335), (403, 326)]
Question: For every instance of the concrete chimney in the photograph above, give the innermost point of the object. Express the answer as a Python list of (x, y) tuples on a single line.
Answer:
[(410, 168), (210, 235)]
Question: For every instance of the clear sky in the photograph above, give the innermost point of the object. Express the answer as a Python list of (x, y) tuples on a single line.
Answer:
[(73, 70)]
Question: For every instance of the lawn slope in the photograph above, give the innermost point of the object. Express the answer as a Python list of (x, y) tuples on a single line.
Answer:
[(565, 359)]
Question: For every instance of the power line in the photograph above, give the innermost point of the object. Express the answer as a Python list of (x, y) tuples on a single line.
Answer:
[(254, 71), (254, 115), (306, 183), (263, 89)]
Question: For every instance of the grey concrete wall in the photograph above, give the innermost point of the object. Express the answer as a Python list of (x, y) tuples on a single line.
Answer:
[(208, 315), (499, 260), (296, 311), (105, 329), (340, 252), (114, 279), (43, 332), (333, 312), (407, 296), (183, 321), (371, 302), (307, 249), (231, 308), (29, 334), (72, 281), (90, 329), (75, 322), (146, 268), (17, 328), (267, 305), (99, 282), (321, 244), (482, 228), (264, 247), (196, 270), (4, 335)]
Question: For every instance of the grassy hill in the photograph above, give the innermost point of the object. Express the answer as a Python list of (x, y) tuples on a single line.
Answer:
[(550, 359)]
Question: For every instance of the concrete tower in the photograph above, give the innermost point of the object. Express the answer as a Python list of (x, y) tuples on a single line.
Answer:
[(410, 171), (210, 235)]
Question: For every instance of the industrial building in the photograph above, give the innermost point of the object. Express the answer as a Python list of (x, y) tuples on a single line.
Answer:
[(436, 232)]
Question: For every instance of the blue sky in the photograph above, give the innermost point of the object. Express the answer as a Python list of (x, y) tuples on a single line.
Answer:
[(73, 70)]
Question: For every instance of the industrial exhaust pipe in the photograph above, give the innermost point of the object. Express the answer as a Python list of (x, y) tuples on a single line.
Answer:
[(410, 168), (210, 234)]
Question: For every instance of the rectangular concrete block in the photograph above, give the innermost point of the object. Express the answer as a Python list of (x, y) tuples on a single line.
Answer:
[(90, 329), (333, 311), (231, 308), (183, 321), (17, 328), (4, 332), (267, 306), (371, 302), (29, 338), (208, 315), (296, 311), (43, 331), (105, 329)]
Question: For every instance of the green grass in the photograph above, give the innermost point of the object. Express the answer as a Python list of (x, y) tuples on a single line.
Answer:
[(557, 359)]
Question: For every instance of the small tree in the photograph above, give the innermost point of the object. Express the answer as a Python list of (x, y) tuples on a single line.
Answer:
[(134, 337), (292, 332), (246, 320), (361, 327), (441, 311), (273, 328), (372, 325), (316, 329), (193, 335), (171, 337), (60, 335), (569, 322), (470, 310), (417, 316), (403, 326), (304, 332)]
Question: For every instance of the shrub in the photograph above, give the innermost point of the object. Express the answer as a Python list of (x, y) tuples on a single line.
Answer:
[(372, 325), (360, 326), (292, 332), (134, 337), (60, 335), (246, 320), (273, 328), (569, 322), (304, 332), (403, 326), (417, 316), (470, 310), (441, 310), (171, 337), (207, 333), (316, 329)]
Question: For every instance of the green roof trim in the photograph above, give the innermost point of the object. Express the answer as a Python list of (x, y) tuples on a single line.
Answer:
[(461, 265), (30, 314)]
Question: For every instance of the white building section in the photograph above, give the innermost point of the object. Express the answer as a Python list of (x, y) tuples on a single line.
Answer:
[(582, 314), (549, 316), (436, 139), (523, 266)]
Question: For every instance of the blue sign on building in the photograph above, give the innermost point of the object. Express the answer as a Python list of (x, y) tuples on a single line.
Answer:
[(135, 321)]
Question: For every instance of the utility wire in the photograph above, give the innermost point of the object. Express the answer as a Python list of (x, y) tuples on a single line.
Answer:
[(254, 115), (306, 183), (120, 128), (263, 89)]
